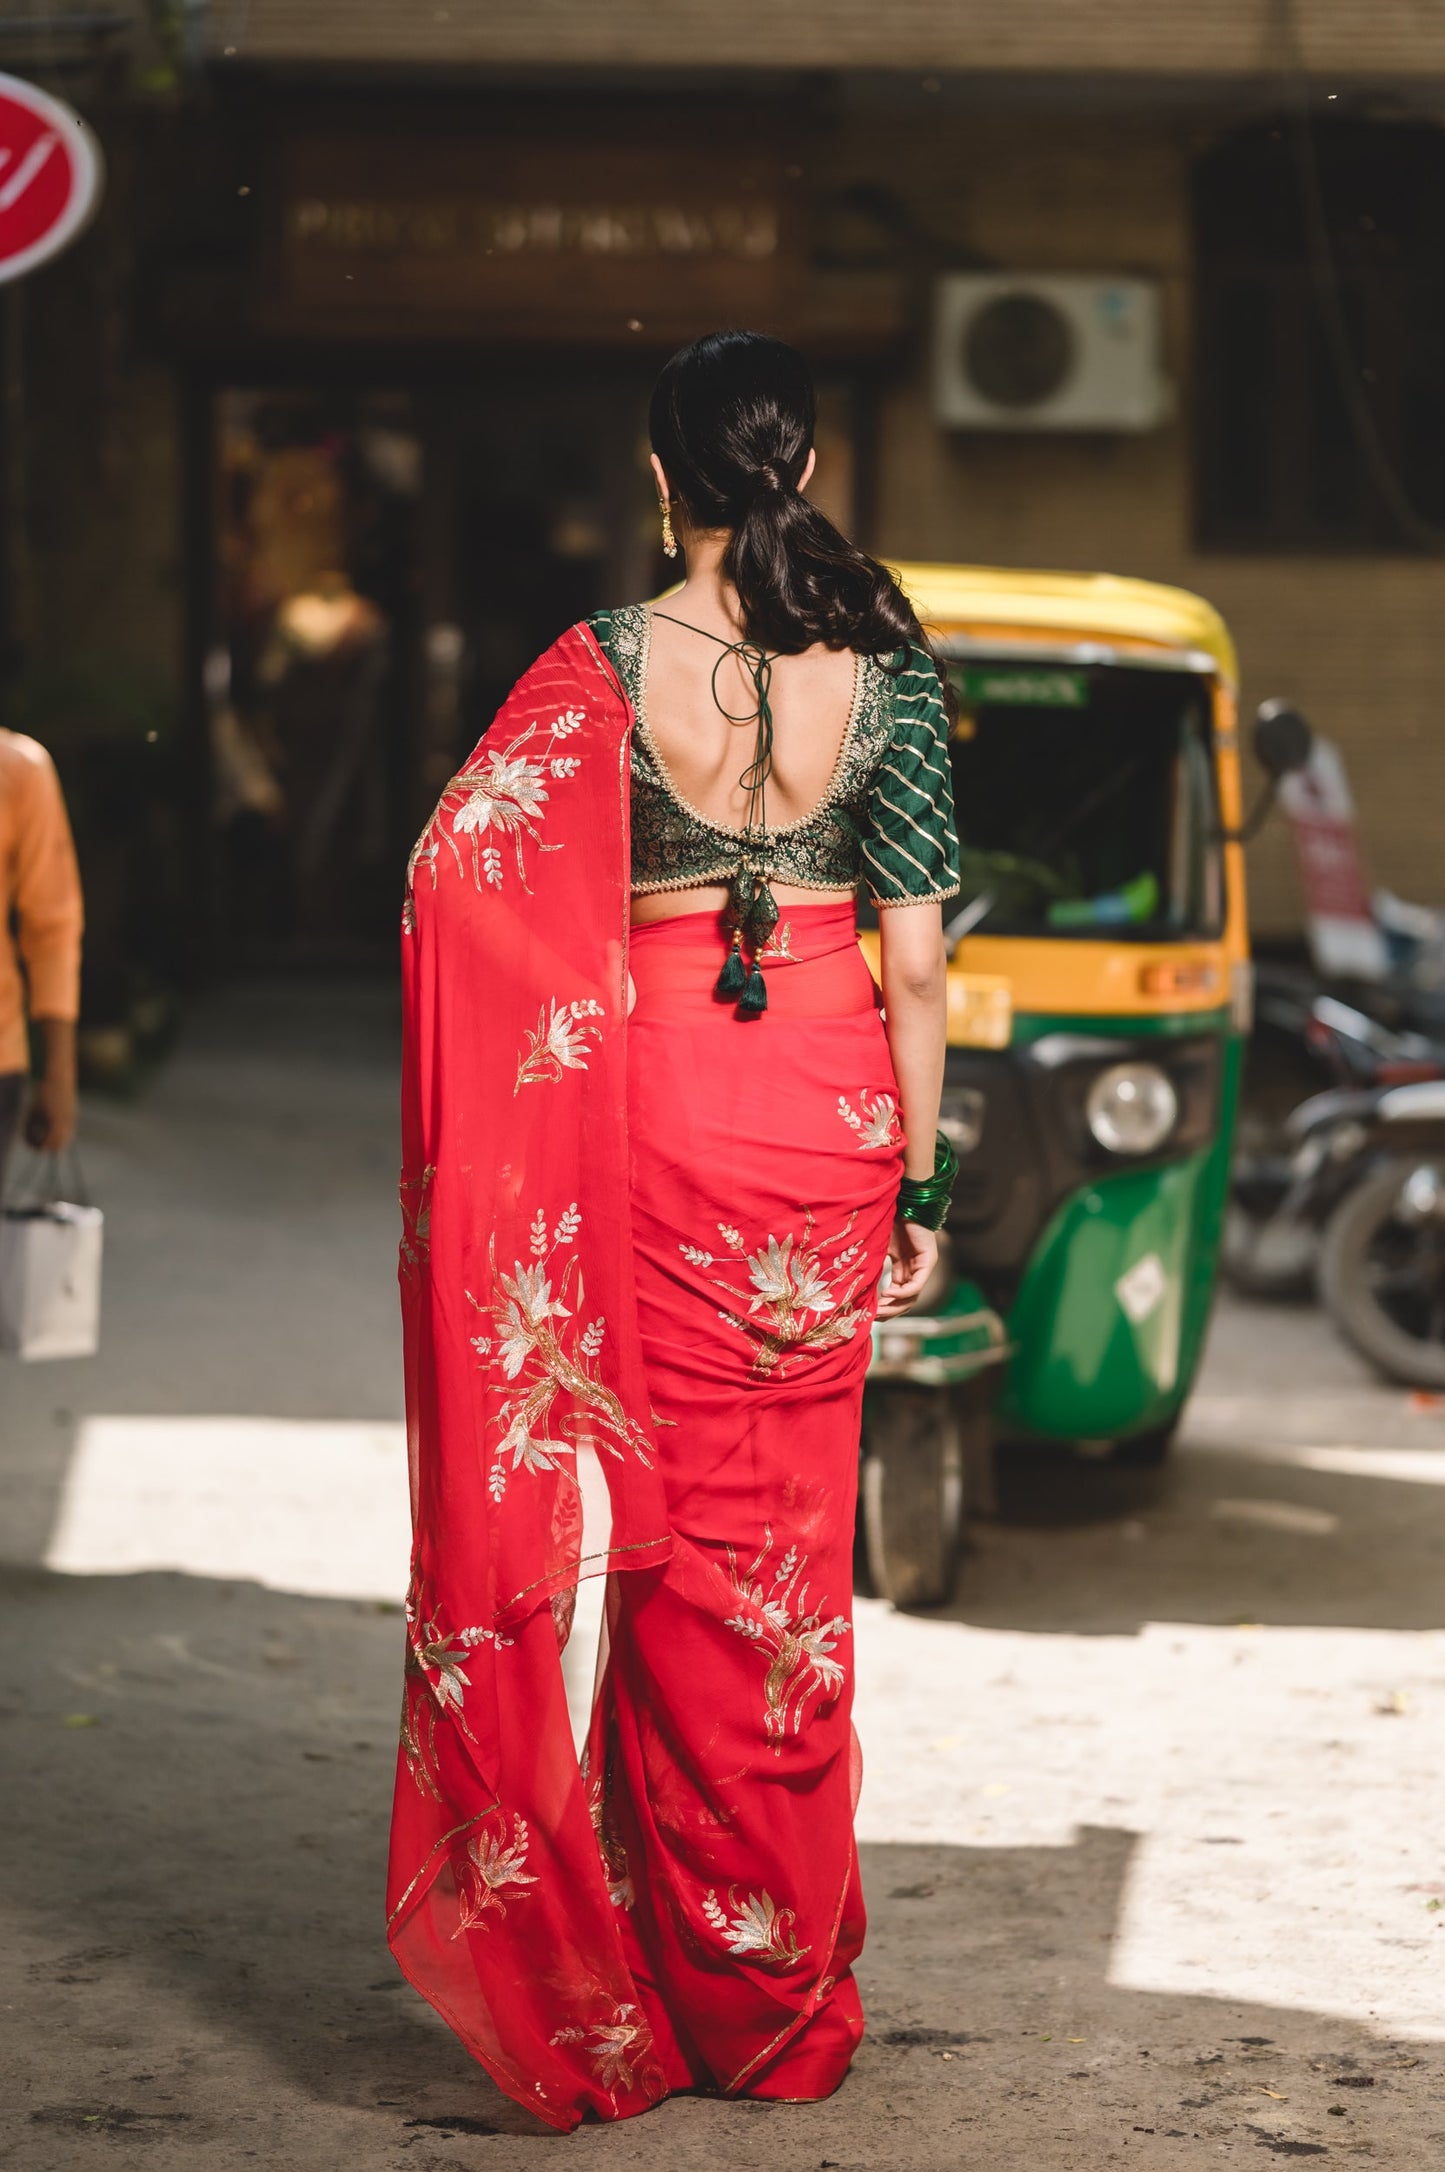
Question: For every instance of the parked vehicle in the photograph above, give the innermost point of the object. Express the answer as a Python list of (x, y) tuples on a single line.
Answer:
[(1099, 988), (1282, 1198), (1382, 1261)]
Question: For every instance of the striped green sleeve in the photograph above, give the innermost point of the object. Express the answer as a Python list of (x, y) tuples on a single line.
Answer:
[(910, 845)]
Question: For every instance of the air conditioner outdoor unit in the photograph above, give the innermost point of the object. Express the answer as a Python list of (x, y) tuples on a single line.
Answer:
[(1051, 351)]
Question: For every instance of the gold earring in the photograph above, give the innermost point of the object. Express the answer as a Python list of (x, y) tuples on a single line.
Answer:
[(669, 540)]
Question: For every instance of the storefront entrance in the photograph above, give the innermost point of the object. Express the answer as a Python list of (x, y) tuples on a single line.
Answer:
[(386, 562)]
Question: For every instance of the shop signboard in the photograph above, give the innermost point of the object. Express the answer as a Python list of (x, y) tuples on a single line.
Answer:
[(50, 176), (525, 239)]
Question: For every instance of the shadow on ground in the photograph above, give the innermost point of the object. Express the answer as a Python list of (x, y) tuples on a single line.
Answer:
[(196, 1961)]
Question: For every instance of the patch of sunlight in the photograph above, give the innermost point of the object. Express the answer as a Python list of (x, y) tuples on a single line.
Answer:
[(317, 1506), (1283, 1785), (1406, 1466), (1277, 1516)]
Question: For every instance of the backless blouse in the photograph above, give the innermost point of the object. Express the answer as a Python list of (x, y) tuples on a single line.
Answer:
[(885, 817)]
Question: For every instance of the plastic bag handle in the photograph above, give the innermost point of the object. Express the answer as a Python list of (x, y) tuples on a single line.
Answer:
[(47, 1179)]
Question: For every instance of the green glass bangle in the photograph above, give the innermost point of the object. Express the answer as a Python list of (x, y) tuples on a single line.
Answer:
[(926, 1199)]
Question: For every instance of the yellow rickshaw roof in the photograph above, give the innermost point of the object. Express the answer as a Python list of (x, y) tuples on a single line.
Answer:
[(1076, 606)]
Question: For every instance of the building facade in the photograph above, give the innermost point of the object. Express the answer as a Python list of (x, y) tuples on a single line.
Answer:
[(338, 414)]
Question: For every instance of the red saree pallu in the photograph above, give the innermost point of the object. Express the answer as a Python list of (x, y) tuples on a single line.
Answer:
[(658, 1239)]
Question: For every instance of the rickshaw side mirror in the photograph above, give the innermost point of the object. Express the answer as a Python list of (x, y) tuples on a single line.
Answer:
[(1282, 739)]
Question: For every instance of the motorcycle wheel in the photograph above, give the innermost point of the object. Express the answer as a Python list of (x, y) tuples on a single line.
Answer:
[(911, 1491), (1382, 1280)]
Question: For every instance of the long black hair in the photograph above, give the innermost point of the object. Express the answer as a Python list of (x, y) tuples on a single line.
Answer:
[(732, 421)]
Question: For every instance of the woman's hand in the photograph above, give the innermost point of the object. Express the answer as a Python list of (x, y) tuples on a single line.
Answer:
[(912, 1255)]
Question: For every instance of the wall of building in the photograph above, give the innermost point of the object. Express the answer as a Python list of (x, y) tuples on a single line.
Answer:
[(1353, 641)]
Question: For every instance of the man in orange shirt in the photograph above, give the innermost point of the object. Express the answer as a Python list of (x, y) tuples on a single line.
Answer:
[(40, 907)]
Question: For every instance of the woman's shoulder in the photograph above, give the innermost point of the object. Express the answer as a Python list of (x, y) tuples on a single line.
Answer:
[(614, 617), (911, 691), (620, 631)]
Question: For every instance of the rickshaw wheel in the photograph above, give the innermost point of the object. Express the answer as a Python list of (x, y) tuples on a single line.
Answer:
[(1146, 1451), (911, 1491)]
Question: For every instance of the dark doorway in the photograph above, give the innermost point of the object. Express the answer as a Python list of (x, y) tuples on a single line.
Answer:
[(387, 562)]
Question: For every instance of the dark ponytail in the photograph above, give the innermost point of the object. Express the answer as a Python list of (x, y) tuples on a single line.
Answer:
[(732, 423)]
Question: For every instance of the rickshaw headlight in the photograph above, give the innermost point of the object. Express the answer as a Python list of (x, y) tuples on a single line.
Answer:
[(1132, 1108)]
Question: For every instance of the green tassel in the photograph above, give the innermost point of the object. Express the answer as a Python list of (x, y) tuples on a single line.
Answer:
[(754, 997), (733, 978)]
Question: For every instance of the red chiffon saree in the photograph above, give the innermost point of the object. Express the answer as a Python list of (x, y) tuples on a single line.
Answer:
[(654, 1241)]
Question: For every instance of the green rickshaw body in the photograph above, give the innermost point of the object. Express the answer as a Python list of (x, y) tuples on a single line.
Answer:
[(1098, 989), (1108, 1324)]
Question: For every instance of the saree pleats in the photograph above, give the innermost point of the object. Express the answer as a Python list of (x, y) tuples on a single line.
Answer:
[(657, 1239), (765, 1165)]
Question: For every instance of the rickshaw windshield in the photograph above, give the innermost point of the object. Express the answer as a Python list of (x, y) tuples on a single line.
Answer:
[(1086, 802)]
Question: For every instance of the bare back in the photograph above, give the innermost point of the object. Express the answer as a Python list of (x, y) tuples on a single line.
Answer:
[(704, 756)]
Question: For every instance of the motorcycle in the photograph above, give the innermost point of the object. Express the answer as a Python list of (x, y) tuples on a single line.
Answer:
[(1382, 1257), (1280, 1201)]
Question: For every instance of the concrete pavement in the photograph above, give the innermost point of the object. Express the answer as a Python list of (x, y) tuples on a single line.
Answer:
[(1152, 1818)]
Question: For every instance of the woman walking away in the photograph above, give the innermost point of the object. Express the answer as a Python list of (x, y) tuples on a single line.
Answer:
[(654, 1166)]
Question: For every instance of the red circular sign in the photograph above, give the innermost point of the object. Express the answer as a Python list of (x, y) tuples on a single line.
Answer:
[(50, 175)]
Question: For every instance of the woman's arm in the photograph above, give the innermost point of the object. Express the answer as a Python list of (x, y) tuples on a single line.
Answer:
[(914, 974)]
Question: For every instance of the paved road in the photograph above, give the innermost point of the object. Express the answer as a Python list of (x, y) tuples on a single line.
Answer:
[(1152, 1824)]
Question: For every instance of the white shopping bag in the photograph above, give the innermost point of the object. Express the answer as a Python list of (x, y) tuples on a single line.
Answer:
[(50, 1277)]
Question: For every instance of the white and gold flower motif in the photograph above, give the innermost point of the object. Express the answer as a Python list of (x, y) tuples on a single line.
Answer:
[(490, 1872), (502, 794), (799, 1641), (558, 1041), (757, 1928), (612, 2046), (795, 1300), (875, 1120), (540, 1342)]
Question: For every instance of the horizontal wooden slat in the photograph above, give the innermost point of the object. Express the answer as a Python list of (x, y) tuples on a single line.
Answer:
[(1385, 37)]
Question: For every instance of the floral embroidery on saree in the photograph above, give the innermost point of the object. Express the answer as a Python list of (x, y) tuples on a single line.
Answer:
[(799, 1644), (614, 2047), (615, 1869), (434, 1685), (501, 794), (797, 1303), (875, 1120), (757, 1928), (550, 1361), (558, 1042), (416, 1220), (486, 1870)]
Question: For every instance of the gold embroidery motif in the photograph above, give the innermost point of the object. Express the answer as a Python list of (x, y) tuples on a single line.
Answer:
[(489, 1867), (799, 1644), (875, 1120), (434, 1685), (620, 1889), (614, 2046), (780, 943), (796, 1303), (549, 1360), (558, 1042), (416, 1222), (757, 1929), (503, 792)]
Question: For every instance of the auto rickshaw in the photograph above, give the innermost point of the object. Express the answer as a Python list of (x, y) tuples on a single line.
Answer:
[(1098, 995)]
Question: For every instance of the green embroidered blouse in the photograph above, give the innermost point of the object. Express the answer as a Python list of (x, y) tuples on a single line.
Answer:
[(886, 816)]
